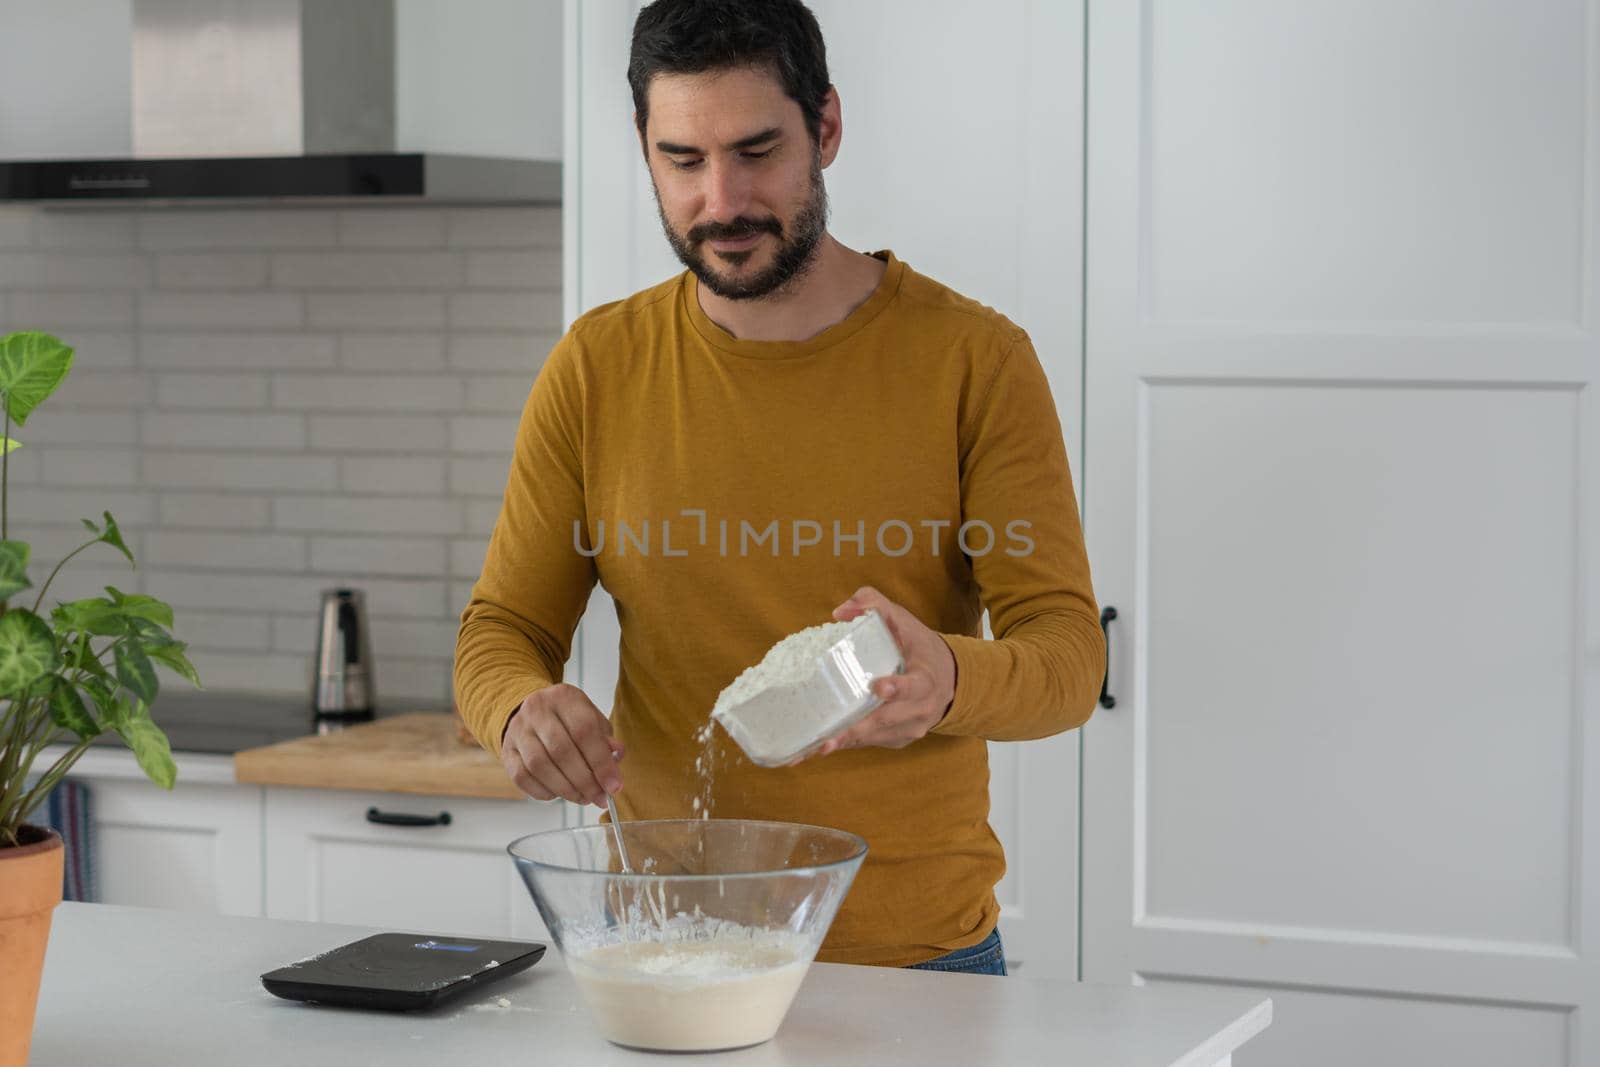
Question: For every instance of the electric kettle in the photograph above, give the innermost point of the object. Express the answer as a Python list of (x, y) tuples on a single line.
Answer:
[(343, 682)]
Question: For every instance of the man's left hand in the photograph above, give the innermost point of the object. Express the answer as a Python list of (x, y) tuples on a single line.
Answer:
[(914, 701)]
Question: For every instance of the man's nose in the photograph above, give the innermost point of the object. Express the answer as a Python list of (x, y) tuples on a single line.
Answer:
[(727, 190)]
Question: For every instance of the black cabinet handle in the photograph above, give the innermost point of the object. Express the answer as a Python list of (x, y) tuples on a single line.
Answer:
[(1107, 614), (392, 819)]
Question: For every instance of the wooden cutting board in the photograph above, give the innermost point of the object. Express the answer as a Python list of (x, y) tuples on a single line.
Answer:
[(416, 752)]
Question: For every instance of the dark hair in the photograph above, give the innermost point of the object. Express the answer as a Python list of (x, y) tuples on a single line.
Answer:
[(695, 36)]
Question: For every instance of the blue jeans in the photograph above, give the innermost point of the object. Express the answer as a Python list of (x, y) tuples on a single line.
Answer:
[(986, 957)]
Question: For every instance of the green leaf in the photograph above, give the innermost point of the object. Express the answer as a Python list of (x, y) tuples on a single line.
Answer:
[(32, 365), (113, 536), (135, 672), (171, 656), (13, 567), (150, 746), (105, 699), (136, 606), (27, 650), (9, 445), (151, 634), (95, 615), (67, 711)]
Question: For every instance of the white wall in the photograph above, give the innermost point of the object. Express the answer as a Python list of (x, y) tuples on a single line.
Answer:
[(474, 77)]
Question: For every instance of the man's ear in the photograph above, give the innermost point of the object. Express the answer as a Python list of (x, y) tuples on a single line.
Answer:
[(830, 127), (638, 127)]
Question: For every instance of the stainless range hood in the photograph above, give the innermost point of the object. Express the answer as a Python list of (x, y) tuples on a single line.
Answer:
[(271, 99)]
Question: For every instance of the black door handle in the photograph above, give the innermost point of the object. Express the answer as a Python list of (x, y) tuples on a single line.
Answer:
[(1107, 614), (392, 819)]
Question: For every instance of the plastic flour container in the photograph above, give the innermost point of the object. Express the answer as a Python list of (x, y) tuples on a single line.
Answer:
[(808, 687)]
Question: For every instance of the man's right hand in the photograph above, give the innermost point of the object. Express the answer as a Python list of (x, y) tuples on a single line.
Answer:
[(558, 744)]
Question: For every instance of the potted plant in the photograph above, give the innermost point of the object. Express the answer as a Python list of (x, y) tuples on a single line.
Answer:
[(68, 674)]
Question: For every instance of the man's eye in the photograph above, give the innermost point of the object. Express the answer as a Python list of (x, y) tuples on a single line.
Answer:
[(685, 164), (757, 155)]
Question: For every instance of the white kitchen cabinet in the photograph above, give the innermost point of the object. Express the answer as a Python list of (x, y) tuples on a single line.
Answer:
[(1343, 462), (194, 848), (974, 180), (327, 863)]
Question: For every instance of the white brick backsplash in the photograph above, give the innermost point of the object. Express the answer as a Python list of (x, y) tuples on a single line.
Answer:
[(266, 228), (256, 593), (112, 468), (276, 401), (501, 351), (72, 270), (388, 227), (367, 392), (466, 556), (258, 672), (378, 555), (221, 471), (403, 476), (47, 504), (78, 580), (390, 352), (55, 312), (495, 434), (51, 544), (69, 228), (226, 551), (220, 630), (367, 270), (480, 476), (211, 270), (379, 433), (412, 684), (505, 227), (221, 511), (93, 388), (539, 268), (295, 633), (406, 516), (17, 227), (100, 349), (22, 465), (236, 391), (420, 638), (50, 426), (241, 351), (526, 309), (498, 392), (482, 515), (210, 310), (181, 429), (375, 311)]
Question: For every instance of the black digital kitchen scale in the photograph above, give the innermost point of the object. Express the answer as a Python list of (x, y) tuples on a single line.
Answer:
[(401, 972)]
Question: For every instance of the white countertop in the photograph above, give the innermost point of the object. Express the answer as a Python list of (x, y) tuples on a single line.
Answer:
[(136, 986)]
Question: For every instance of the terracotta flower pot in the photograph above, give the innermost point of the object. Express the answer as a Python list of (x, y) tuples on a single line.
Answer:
[(30, 889)]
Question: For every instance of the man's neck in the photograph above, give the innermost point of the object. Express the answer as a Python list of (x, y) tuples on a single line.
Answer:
[(838, 282)]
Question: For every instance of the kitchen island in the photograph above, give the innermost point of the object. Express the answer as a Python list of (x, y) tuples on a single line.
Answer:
[(136, 986)]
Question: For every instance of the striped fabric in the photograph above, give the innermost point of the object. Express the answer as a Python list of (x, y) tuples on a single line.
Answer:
[(69, 810)]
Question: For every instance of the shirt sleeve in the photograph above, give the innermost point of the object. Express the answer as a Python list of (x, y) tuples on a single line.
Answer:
[(516, 631), (1043, 671)]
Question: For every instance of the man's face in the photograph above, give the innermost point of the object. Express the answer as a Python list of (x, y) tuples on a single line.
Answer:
[(738, 179)]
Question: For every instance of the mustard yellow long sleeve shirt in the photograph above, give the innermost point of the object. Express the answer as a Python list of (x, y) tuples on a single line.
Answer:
[(729, 492)]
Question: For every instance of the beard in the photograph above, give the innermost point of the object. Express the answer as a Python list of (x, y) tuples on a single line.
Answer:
[(797, 245)]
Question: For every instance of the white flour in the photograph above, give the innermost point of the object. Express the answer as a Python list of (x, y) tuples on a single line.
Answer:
[(726, 992), (789, 661)]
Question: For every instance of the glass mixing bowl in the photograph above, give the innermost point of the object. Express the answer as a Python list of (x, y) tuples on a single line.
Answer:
[(704, 946)]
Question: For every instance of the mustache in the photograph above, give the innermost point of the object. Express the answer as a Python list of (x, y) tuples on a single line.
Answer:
[(739, 227)]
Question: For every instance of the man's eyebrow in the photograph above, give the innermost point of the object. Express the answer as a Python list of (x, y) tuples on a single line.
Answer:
[(672, 149)]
